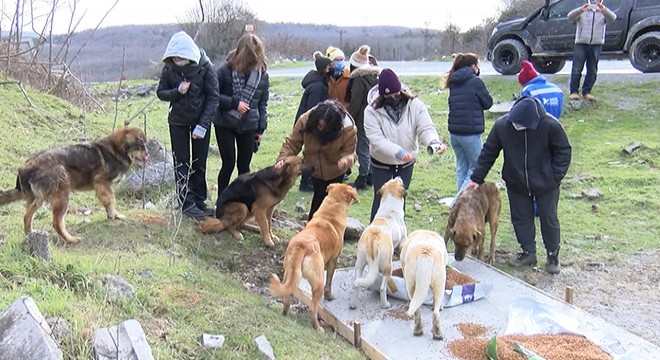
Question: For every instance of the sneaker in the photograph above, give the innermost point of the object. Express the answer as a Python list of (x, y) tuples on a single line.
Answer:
[(552, 262), (208, 210), (589, 97), (370, 179), (194, 213), (574, 96), (360, 182), (524, 258)]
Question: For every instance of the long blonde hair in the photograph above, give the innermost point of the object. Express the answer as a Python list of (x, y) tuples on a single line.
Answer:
[(249, 55), (460, 61)]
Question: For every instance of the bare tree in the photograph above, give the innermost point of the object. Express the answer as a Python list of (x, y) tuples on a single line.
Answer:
[(512, 9)]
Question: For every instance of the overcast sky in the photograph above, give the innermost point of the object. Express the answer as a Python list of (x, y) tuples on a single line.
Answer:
[(435, 14)]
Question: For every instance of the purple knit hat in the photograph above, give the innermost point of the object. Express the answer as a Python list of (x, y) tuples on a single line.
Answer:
[(388, 82)]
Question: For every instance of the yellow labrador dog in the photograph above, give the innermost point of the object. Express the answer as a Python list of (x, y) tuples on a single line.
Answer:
[(376, 245), (424, 259)]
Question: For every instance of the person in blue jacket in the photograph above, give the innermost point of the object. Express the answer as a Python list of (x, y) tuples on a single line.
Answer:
[(535, 85)]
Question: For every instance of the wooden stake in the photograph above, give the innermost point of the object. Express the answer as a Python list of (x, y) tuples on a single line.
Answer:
[(569, 295), (357, 334)]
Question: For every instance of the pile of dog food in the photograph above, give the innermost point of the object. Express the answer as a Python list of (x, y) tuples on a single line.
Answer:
[(454, 277)]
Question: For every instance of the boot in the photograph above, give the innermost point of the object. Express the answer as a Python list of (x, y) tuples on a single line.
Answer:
[(524, 258), (552, 262), (193, 212), (360, 182), (208, 211)]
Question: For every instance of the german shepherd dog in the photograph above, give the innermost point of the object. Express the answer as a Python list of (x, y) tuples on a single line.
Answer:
[(314, 249), (255, 195), (51, 175)]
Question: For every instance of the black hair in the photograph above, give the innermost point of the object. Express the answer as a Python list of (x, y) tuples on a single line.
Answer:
[(332, 113)]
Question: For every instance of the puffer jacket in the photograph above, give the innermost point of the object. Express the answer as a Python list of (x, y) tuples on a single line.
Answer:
[(468, 98), (337, 87), (591, 24), (535, 160), (198, 105), (316, 91), (323, 157), (387, 138), (254, 119), (361, 81)]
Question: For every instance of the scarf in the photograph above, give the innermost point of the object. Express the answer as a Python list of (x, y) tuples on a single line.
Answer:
[(244, 90)]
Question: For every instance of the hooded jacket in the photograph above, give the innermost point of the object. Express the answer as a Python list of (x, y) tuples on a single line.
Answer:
[(536, 159), (198, 105), (387, 138), (590, 25), (337, 87), (361, 81), (468, 98), (316, 91), (323, 157), (549, 94)]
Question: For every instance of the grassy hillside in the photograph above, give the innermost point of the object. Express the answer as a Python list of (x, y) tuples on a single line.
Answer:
[(213, 284)]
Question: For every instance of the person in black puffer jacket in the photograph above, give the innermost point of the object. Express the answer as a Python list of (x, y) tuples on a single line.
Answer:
[(537, 155), (242, 117), (190, 84)]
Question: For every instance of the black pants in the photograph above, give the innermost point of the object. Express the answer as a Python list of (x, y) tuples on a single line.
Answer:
[(235, 150), (320, 192), (190, 172), (383, 174), (522, 217)]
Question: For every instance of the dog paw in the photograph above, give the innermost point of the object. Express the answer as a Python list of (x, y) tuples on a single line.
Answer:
[(328, 295), (385, 305), (269, 243), (438, 336), (72, 240), (238, 236), (274, 238), (116, 216)]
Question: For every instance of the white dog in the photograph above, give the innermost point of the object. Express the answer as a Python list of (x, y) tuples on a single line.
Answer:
[(424, 259), (376, 245)]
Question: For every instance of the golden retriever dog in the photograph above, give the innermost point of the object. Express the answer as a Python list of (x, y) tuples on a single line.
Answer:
[(423, 260), (51, 175), (316, 248), (378, 241), (467, 220), (255, 195)]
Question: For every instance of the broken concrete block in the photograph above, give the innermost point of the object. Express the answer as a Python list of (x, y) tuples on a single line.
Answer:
[(213, 341), (125, 341), (25, 334), (264, 347), (632, 147), (117, 288), (592, 194), (36, 244), (354, 229), (60, 328)]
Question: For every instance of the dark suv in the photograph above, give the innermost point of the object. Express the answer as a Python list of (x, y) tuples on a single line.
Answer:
[(546, 37)]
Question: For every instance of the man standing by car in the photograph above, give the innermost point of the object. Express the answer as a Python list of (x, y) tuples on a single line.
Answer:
[(591, 19)]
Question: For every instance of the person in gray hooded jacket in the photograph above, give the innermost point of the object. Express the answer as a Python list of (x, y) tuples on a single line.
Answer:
[(190, 84)]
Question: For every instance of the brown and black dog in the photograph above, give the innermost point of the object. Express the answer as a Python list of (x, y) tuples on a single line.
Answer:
[(316, 248), (51, 175), (467, 220), (255, 195)]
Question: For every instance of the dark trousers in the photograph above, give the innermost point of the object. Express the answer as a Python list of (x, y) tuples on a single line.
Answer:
[(589, 54), (382, 175), (522, 217), (190, 172), (320, 192), (235, 150)]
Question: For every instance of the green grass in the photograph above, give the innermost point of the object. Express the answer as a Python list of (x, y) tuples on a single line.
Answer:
[(197, 280)]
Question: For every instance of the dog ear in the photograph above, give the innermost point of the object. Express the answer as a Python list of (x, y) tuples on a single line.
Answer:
[(354, 195)]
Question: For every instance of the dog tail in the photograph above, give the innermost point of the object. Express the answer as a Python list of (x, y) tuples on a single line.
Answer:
[(293, 274), (371, 275), (10, 196), (423, 272), (211, 226)]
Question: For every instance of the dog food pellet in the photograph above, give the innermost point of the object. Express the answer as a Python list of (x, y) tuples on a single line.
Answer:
[(554, 347), (471, 330), (457, 278), (468, 349)]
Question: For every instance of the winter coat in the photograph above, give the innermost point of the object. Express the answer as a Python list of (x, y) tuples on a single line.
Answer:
[(468, 98), (198, 105), (591, 25), (316, 91), (323, 157), (549, 94), (337, 87), (256, 119), (361, 81), (387, 138), (535, 159)]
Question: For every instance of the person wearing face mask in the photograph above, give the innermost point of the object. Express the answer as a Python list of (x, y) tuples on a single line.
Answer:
[(537, 155), (468, 98), (190, 84), (339, 75), (395, 122)]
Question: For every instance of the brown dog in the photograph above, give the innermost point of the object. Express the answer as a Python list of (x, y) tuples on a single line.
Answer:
[(51, 175), (467, 220), (255, 195), (315, 248)]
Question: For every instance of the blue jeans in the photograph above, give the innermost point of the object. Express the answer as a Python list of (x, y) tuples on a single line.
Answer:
[(581, 54), (467, 149)]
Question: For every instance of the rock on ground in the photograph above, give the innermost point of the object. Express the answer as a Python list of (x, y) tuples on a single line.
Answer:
[(123, 341)]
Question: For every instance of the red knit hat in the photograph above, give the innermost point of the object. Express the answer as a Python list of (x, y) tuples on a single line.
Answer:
[(527, 73)]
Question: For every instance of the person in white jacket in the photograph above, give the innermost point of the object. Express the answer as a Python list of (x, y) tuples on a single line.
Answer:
[(395, 122)]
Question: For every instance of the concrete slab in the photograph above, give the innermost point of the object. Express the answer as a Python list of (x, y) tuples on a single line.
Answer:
[(501, 108), (389, 331)]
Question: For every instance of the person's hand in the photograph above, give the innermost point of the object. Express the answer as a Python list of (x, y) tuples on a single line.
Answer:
[(600, 7), (342, 164), (407, 157), (442, 149), (257, 138), (471, 185), (279, 163), (243, 107), (184, 86), (585, 7)]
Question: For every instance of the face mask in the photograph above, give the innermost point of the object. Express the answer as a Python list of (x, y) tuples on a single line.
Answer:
[(183, 62), (339, 68)]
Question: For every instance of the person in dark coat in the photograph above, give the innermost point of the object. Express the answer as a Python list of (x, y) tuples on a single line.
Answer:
[(189, 83), (468, 98), (242, 117), (537, 155)]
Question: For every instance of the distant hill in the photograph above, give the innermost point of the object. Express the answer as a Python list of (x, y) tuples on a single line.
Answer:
[(101, 56)]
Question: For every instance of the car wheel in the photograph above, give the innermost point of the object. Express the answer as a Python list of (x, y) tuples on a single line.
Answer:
[(508, 56), (548, 66), (645, 52)]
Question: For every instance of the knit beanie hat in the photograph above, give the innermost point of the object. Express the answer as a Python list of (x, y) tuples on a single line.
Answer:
[(321, 61), (361, 56), (527, 73), (388, 82), (334, 53)]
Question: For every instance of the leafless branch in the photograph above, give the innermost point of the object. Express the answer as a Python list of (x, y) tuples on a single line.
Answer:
[(121, 79)]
